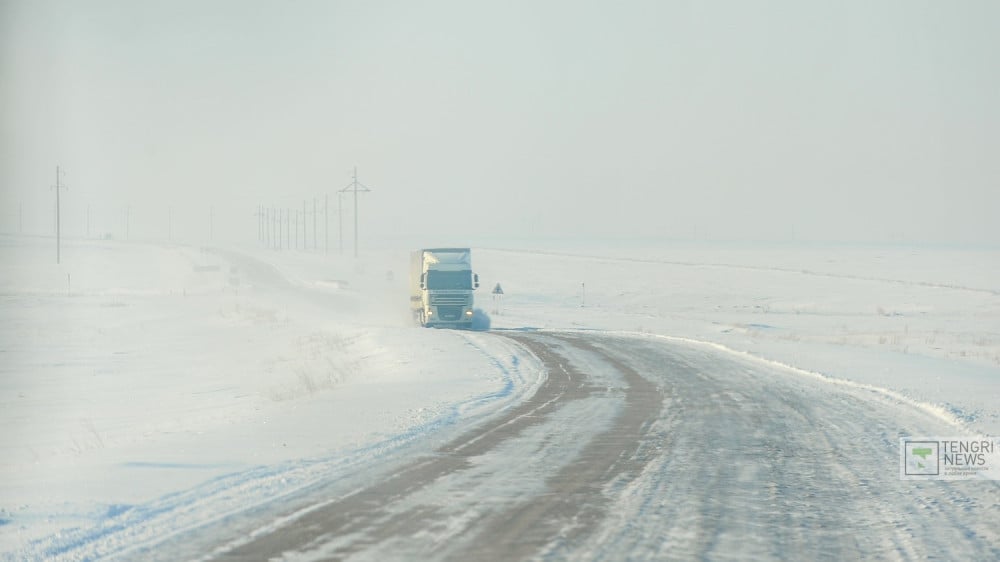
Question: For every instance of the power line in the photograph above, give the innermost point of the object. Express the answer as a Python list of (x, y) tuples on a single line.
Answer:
[(58, 188), (355, 186)]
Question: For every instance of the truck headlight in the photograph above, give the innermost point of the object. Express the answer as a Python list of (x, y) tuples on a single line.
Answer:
[(468, 313)]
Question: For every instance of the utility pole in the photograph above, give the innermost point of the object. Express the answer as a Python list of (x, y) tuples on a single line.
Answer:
[(58, 187), (296, 229), (355, 186), (260, 223)]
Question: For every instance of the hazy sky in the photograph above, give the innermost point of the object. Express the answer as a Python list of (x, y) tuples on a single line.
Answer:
[(718, 120)]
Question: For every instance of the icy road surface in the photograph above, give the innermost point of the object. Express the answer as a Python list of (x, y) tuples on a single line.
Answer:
[(638, 447)]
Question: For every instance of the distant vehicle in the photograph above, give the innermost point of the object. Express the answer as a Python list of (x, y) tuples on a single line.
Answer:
[(441, 285)]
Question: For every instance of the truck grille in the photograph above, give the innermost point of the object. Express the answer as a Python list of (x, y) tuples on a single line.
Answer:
[(449, 300), (450, 312)]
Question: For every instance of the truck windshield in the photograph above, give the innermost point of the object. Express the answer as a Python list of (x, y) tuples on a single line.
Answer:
[(449, 280)]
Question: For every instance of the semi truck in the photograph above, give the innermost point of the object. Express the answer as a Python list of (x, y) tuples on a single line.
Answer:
[(441, 286)]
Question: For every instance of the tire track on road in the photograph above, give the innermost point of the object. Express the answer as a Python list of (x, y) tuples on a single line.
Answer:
[(575, 500), (572, 504), (637, 448), (366, 517)]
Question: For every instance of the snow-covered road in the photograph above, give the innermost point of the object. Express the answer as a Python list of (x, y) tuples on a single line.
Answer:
[(635, 447)]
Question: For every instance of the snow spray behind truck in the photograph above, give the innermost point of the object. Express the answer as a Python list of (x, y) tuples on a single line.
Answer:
[(441, 285)]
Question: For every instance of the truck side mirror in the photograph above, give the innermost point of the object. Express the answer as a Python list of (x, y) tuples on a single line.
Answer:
[(475, 280), (422, 276)]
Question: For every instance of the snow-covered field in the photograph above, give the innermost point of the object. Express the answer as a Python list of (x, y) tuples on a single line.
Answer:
[(160, 388), (921, 321)]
